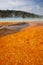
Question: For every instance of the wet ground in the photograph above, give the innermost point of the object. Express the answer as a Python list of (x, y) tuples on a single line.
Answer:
[(6, 29), (13, 28)]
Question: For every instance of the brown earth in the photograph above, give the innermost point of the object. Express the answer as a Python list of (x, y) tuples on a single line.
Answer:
[(7, 23), (22, 48), (11, 27)]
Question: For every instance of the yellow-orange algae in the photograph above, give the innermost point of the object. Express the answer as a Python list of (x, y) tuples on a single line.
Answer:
[(22, 48)]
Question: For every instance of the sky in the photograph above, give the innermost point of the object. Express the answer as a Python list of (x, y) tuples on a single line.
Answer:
[(32, 6)]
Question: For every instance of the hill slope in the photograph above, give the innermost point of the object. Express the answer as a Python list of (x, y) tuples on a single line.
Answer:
[(13, 13), (22, 48)]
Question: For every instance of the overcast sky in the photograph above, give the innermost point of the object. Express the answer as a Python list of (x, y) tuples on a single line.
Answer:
[(33, 6)]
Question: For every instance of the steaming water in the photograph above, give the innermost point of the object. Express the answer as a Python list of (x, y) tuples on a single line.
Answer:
[(18, 19)]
